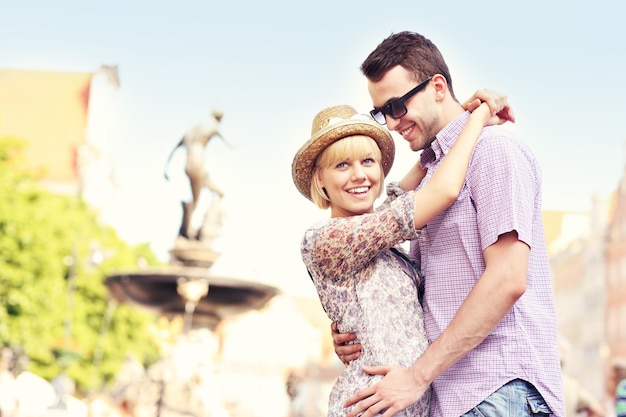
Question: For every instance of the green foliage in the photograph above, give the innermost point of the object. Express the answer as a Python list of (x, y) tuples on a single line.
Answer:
[(54, 256)]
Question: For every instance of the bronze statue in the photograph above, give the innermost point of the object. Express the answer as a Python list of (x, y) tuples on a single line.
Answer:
[(195, 142)]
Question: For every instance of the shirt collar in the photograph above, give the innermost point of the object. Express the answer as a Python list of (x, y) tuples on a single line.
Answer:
[(444, 139)]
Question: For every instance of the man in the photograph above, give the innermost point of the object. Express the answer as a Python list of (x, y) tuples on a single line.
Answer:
[(488, 301)]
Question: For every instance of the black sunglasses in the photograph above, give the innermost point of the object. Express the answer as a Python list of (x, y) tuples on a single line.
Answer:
[(395, 108)]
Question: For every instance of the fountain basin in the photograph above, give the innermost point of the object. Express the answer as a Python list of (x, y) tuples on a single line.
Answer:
[(157, 290)]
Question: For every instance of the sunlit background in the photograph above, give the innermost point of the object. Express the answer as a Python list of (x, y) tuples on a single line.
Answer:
[(271, 66)]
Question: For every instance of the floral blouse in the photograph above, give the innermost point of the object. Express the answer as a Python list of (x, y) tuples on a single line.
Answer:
[(370, 290)]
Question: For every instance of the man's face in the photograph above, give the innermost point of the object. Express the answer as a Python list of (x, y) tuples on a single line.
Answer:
[(419, 125)]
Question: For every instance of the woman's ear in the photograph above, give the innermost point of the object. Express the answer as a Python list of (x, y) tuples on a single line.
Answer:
[(317, 177)]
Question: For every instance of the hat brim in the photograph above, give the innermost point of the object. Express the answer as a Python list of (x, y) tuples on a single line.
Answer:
[(304, 160)]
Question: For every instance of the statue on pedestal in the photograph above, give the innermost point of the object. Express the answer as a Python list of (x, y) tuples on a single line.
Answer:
[(195, 141)]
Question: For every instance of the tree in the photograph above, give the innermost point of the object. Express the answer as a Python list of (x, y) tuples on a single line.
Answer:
[(54, 256)]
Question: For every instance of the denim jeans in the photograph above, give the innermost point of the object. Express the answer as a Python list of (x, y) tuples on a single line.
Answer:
[(516, 398)]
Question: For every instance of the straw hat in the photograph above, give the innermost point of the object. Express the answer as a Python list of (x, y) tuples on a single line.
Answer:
[(330, 125)]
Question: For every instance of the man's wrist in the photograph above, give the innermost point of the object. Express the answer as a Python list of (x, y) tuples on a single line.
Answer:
[(421, 374)]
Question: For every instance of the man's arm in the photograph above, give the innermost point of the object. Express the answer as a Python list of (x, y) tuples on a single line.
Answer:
[(345, 349), (502, 283)]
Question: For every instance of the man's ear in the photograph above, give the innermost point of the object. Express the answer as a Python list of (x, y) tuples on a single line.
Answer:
[(441, 86)]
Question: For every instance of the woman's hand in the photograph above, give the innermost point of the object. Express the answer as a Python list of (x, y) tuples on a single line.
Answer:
[(501, 111)]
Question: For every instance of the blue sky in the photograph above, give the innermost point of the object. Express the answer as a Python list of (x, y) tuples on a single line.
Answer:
[(270, 66)]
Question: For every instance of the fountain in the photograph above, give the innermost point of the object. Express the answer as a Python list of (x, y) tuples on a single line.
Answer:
[(203, 299), (180, 382)]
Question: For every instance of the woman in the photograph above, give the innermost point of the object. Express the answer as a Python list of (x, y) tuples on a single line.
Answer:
[(363, 279)]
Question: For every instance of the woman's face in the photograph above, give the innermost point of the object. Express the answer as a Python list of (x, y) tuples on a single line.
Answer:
[(352, 185)]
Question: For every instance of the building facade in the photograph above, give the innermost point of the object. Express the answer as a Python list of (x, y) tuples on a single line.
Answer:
[(578, 271), (615, 325), (65, 119)]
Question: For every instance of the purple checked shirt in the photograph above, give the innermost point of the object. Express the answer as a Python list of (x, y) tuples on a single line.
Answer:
[(502, 193)]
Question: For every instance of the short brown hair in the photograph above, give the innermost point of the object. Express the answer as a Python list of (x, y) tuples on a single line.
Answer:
[(413, 52)]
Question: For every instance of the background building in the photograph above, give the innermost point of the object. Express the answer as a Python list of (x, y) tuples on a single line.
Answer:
[(615, 324), (66, 119), (578, 270)]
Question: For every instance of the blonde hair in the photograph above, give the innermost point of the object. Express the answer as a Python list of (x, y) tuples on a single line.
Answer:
[(356, 147)]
